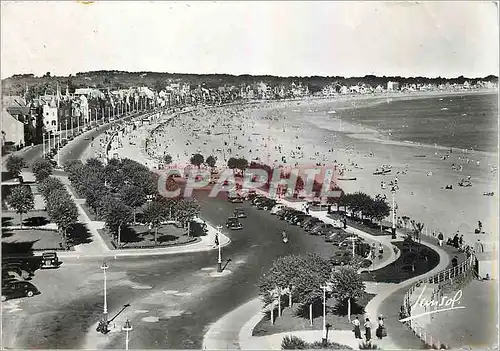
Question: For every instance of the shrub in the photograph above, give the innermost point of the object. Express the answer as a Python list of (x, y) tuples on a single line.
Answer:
[(318, 345), (293, 342), (368, 346)]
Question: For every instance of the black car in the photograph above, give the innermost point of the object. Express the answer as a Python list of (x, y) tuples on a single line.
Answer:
[(299, 219), (18, 289), (235, 199), (286, 213), (233, 223), (311, 221), (255, 201), (266, 204), (239, 213), (290, 214), (252, 196)]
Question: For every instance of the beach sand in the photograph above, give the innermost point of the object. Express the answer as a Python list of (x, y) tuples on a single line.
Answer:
[(295, 133)]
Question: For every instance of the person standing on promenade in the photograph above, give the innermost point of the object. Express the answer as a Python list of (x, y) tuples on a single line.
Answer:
[(368, 329), (381, 331), (440, 238), (357, 329)]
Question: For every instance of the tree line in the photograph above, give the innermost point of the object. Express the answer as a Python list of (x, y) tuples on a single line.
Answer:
[(118, 190), (301, 278)]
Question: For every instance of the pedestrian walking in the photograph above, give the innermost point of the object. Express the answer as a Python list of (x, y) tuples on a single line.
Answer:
[(368, 329), (356, 329), (440, 238), (216, 241), (461, 241)]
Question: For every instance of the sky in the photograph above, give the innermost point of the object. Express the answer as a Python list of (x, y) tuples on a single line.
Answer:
[(446, 39)]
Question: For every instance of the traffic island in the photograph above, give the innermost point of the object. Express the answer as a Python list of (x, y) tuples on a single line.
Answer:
[(297, 317), (224, 273)]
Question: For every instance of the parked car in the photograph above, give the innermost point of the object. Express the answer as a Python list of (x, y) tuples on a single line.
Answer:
[(50, 260), (17, 271), (233, 223), (235, 199), (341, 257), (245, 193), (276, 208), (266, 205), (252, 196), (86, 137), (258, 199), (18, 289), (321, 228), (310, 222), (240, 213), (289, 214), (299, 219)]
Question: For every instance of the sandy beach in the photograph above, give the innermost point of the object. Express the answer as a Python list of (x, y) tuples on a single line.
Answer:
[(298, 133)]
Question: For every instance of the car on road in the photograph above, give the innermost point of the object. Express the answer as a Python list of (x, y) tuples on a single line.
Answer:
[(257, 199), (235, 199), (18, 289), (341, 257), (266, 205), (15, 269), (321, 228), (252, 196), (239, 213), (310, 222), (233, 223), (299, 219), (49, 260), (86, 137), (245, 193), (276, 208), (292, 213)]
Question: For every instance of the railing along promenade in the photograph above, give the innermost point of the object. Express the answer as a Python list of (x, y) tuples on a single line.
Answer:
[(463, 272)]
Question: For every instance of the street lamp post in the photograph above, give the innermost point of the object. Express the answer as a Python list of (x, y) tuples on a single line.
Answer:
[(127, 328), (219, 260), (325, 288), (393, 192), (43, 143), (104, 267)]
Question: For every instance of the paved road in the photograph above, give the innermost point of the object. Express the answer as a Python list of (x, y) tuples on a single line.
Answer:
[(71, 298)]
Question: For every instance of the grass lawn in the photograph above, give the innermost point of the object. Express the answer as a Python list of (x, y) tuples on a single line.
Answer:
[(297, 318), (368, 227), (139, 236), (30, 219), (401, 269), (19, 241)]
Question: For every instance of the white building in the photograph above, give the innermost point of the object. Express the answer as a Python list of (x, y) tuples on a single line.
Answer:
[(392, 86)]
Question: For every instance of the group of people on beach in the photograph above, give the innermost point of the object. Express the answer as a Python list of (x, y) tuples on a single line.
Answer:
[(380, 332)]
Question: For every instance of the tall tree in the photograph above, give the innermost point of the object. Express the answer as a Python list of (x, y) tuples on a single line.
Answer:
[(133, 196), (22, 200), (197, 160), (186, 210), (155, 212), (62, 211), (15, 165), (42, 169), (347, 285), (117, 214), (167, 159), (312, 274), (48, 185), (211, 161)]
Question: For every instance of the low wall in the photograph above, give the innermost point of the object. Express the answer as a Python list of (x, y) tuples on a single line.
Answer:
[(438, 283)]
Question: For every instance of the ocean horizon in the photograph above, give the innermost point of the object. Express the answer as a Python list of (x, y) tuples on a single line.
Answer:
[(467, 122)]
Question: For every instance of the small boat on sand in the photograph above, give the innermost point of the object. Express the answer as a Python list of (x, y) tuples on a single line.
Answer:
[(420, 156), (347, 178), (491, 193)]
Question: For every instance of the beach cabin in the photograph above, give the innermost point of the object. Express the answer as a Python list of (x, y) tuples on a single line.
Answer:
[(487, 265)]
